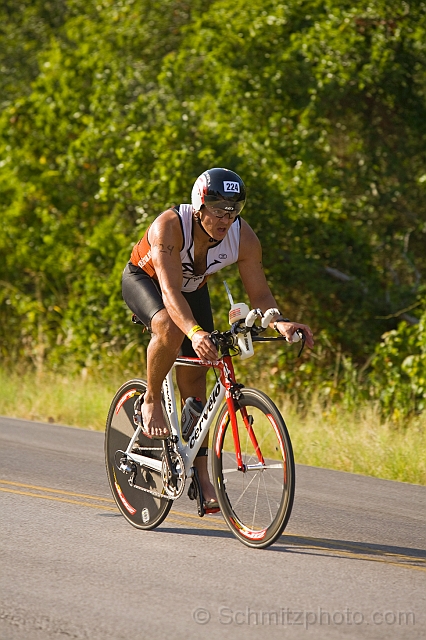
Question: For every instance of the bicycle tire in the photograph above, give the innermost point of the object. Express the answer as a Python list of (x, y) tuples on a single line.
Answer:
[(141, 509), (256, 504)]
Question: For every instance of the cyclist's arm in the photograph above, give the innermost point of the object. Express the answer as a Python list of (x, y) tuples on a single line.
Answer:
[(165, 237), (255, 284)]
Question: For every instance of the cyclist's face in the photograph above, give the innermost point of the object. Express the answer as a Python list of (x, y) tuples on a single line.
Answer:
[(217, 227), (221, 213)]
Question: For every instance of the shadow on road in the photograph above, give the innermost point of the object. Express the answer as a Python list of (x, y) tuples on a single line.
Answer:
[(404, 556), (323, 546), (349, 548)]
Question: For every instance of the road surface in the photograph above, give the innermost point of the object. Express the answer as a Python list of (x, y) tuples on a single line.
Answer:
[(351, 564)]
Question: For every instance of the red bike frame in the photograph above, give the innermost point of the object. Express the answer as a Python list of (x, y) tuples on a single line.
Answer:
[(227, 379)]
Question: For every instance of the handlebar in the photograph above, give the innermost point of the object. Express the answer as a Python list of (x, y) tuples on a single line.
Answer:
[(228, 339)]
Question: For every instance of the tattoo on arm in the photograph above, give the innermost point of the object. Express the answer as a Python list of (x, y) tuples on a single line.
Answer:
[(165, 249)]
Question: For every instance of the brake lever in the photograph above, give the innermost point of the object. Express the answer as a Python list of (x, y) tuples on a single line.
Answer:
[(213, 336), (302, 337)]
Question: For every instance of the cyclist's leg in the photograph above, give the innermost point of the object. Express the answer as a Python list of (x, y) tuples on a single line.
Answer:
[(143, 296), (192, 380), (161, 353)]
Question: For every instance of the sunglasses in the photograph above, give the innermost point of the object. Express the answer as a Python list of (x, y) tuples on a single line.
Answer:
[(222, 208)]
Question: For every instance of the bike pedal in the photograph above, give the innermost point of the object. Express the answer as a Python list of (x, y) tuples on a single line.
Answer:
[(137, 410), (192, 491), (197, 493), (126, 466)]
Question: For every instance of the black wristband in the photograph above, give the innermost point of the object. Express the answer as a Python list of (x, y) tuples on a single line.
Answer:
[(280, 320)]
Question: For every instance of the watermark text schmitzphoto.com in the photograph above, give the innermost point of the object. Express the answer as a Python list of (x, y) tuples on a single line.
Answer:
[(286, 617)]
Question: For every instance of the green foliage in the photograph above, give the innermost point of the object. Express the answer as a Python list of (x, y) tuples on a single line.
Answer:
[(306, 100), (109, 112), (71, 188), (398, 376), (26, 27)]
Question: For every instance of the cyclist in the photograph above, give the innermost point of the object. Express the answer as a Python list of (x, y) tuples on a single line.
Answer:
[(164, 284)]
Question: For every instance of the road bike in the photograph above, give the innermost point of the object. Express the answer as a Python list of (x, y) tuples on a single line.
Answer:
[(251, 454)]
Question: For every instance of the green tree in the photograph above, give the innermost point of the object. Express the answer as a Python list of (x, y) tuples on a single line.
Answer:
[(117, 107)]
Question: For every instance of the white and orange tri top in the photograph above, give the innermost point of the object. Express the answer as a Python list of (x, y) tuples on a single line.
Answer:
[(220, 255)]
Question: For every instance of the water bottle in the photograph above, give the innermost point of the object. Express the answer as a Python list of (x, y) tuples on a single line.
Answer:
[(190, 413)]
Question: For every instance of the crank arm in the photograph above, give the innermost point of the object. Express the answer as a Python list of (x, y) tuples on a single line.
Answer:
[(196, 493), (173, 477), (145, 462)]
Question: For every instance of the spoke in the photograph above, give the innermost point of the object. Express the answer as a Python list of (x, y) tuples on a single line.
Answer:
[(267, 497), (253, 467), (245, 490), (255, 504)]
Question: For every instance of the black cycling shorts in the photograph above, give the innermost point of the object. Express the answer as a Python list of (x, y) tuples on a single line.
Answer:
[(142, 294)]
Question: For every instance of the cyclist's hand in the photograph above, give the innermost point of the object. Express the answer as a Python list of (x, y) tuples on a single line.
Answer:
[(287, 330), (204, 347)]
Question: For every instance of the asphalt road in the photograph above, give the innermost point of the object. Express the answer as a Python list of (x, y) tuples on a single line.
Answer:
[(352, 562)]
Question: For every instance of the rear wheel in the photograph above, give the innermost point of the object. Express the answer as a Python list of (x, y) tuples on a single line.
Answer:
[(140, 508), (256, 500)]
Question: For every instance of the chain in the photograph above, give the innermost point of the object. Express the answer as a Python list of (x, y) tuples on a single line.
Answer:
[(150, 491), (169, 492)]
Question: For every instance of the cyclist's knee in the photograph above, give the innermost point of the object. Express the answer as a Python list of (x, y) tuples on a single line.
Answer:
[(164, 329)]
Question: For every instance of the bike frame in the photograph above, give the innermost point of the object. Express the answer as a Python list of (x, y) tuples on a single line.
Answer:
[(224, 388)]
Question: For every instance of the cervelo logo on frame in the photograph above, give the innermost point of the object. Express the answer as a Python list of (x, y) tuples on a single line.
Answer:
[(207, 409), (231, 187)]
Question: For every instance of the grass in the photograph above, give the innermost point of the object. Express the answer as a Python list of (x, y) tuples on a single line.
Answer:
[(359, 442), (75, 401), (335, 438)]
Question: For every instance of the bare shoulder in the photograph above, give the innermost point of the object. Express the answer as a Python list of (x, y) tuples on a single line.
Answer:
[(249, 242), (166, 221), (166, 239), (166, 227)]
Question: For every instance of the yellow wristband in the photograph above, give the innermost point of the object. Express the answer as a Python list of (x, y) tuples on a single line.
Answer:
[(194, 330)]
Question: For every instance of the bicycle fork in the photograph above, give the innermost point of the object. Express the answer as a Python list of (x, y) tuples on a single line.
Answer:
[(232, 397)]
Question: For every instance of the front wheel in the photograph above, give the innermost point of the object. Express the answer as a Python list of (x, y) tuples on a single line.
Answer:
[(256, 498), (141, 508)]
